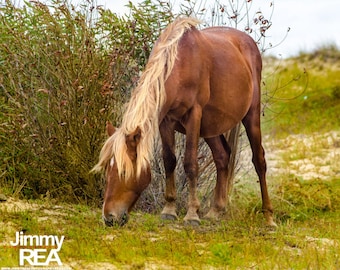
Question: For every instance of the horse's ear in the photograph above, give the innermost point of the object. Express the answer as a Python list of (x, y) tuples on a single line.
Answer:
[(133, 138), (110, 129)]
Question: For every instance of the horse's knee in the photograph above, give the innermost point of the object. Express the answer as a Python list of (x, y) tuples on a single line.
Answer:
[(191, 170), (169, 162)]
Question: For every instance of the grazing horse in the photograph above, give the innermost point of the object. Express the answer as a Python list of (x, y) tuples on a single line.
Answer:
[(198, 82)]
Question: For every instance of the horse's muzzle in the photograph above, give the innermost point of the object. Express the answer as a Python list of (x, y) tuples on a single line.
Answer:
[(111, 220)]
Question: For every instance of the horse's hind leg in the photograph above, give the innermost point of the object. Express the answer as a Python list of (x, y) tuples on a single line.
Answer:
[(166, 129), (220, 152), (251, 123)]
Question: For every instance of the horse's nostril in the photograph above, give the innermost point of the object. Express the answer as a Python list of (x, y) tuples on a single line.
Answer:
[(108, 221), (111, 220), (124, 219)]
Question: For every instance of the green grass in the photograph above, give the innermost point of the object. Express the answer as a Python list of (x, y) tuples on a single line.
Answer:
[(307, 236)]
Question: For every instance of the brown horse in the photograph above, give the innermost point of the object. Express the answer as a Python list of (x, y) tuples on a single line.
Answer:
[(200, 83)]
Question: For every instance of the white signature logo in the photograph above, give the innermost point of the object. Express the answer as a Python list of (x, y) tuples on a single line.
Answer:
[(38, 250)]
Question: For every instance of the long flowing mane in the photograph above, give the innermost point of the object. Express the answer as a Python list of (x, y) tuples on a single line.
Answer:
[(145, 104)]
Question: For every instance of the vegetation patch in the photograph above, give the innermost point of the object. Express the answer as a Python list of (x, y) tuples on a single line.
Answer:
[(301, 96), (147, 241)]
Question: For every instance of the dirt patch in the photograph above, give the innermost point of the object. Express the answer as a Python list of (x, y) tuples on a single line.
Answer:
[(12, 205), (315, 156), (310, 157)]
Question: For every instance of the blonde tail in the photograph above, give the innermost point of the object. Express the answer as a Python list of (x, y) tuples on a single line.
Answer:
[(232, 138)]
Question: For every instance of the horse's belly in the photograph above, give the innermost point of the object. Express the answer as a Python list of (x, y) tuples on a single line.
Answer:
[(215, 123), (225, 111)]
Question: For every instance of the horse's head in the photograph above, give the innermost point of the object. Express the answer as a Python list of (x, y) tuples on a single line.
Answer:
[(121, 194)]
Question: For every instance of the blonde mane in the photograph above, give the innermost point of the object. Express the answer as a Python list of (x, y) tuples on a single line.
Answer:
[(145, 104)]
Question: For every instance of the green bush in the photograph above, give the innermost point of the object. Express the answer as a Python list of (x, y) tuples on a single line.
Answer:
[(64, 72)]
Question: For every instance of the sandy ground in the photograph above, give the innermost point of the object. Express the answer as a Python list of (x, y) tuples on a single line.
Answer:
[(315, 156)]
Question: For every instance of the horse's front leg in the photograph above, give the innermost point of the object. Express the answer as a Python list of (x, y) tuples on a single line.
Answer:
[(166, 129), (192, 126)]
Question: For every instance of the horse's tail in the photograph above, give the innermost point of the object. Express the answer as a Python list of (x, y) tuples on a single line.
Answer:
[(232, 138)]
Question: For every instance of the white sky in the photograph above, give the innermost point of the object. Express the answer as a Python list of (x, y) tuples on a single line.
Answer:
[(312, 22)]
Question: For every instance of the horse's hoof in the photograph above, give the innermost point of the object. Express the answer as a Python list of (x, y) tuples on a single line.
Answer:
[(192, 222), (271, 224), (215, 215), (212, 215), (168, 217), (270, 221)]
